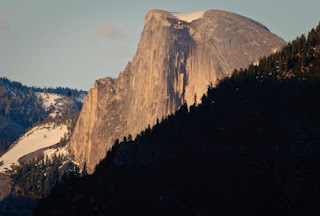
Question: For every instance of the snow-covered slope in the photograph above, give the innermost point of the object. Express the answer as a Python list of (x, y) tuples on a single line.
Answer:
[(56, 104), (57, 152), (49, 99), (38, 137)]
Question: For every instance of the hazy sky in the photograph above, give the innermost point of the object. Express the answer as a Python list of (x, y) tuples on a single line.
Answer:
[(74, 42)]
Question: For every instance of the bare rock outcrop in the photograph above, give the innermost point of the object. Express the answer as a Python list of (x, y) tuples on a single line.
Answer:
[(176, 59)]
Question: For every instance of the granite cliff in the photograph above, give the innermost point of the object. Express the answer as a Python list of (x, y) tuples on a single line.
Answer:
[(178, 56)]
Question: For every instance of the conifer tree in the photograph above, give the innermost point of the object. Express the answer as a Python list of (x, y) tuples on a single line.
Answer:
[(129, 137), (84, 171)]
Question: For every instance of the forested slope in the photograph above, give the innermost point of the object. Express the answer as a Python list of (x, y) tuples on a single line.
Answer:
[(21, 107)]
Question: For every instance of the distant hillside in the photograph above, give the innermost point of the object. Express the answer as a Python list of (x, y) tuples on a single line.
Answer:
[(35, 128), (250, 148), (22, 106)]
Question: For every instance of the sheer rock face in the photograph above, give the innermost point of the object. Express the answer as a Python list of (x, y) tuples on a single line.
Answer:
[(175, 60)]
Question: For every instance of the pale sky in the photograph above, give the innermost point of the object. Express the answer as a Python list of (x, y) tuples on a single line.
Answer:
[(71, 43)]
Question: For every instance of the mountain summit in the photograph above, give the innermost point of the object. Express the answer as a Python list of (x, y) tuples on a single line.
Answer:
[(178, 56)]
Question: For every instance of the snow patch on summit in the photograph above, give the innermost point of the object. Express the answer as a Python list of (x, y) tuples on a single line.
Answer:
[(189, 17)]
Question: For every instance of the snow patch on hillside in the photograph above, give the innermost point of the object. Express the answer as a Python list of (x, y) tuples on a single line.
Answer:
[(189, 17), (57, 152), (49, 99), (54, 103), (38, 137)]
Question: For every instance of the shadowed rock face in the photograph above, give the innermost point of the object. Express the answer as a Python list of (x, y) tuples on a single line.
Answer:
[(175, 60)]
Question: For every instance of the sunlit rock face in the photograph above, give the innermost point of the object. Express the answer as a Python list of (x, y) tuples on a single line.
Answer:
[(178, 56)]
